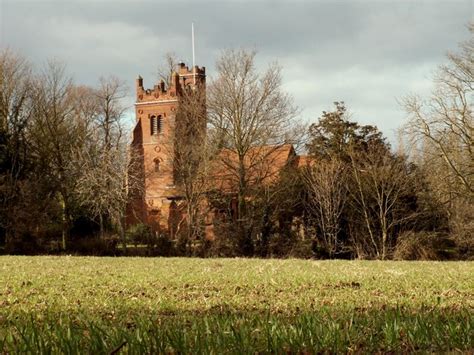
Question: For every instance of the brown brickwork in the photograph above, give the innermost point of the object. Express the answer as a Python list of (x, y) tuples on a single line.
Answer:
[(155, 111), (153, 136)]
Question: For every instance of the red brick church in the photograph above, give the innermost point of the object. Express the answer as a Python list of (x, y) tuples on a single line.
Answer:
[(155, 111)]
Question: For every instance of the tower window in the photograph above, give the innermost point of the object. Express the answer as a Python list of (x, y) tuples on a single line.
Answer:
[(156, 124), (157, 165), (159, 124)]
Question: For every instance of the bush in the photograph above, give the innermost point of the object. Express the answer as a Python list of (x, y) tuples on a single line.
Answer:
[(302, 249), (139, 234), (223, 243), (157, 244), (423, 246), (23, 244), (94, 245), (462, 230), (465, 244), (163, 246), (291, 246)]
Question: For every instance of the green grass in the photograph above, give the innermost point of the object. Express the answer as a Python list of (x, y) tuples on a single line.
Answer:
[(150, 305)]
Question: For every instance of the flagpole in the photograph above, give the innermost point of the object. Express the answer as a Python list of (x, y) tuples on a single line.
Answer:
[(194, 64)]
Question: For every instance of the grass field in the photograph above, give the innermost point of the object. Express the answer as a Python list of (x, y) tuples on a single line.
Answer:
[(177, 305)]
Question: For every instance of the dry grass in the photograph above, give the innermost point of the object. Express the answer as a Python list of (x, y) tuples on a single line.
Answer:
[(119, 296)]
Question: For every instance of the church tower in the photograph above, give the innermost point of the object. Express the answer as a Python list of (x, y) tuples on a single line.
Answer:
[(153, 139)]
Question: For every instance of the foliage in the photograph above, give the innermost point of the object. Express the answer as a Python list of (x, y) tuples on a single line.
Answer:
[(66, 170), (360, 194), (139, 234), (62, 154), (334, 135), (157, 244)]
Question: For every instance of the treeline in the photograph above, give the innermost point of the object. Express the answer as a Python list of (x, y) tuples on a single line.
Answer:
[(354, 197), (63, 159), (66, 170)]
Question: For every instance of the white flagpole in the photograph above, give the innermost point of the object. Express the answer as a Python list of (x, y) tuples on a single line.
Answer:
[(194, 64)]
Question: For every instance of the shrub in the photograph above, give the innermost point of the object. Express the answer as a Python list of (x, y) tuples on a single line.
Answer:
[(94, 245), (139, 234), (156, 244), (423, 246), (163, 246), (223, 243), (290, 245), (462, 229), (465, 243), (23, 244), (302, 249)]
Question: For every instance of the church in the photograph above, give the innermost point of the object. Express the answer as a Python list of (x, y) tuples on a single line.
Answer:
[(156, 124)]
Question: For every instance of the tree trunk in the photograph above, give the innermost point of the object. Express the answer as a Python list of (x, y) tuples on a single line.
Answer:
[(245, 242), (65, 223), (122, 234), (101, 226)]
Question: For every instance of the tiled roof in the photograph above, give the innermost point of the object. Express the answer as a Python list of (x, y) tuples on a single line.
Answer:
[(303, 160), (263, 165)]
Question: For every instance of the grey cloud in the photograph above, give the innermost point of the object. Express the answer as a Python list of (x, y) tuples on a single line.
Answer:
[(367, 53)]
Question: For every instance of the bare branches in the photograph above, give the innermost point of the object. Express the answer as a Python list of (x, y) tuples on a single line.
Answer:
[(251, 117), (192, 156), (246, 108), (15, 93), (109, 95), (105, 182), (165, 70), (326, 182), (16, 107), (445, 120), (382, 184), (107, 168)]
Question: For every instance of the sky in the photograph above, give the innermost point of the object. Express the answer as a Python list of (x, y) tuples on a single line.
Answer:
[(369, 54)]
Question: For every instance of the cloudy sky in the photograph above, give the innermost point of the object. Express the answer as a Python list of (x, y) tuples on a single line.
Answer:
[(366, 53)]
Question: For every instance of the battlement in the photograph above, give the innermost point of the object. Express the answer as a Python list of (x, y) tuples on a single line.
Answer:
[(183, 70), (179, 79), (156, 112), (159, 91)]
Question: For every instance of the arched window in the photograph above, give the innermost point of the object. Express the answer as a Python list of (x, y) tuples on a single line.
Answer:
[(156, 125), (159, 124), (153, 128), (157, 165)]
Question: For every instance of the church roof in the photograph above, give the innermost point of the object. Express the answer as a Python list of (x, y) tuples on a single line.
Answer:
[(303, 160), (263, 165)]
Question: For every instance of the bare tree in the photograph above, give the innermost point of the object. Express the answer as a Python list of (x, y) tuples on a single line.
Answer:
[(109, 120), (247, 110), (167, 68), (15, 81), (106, 165), (441, 128), (326, 182), (54, 137), (105, 183), (16, 96), (192, 155), (382, 183), (445, 120)]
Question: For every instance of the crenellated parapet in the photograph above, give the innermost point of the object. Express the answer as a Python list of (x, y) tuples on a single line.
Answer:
[(184, 71), (154, 137), (159, 91), (179, 79)]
